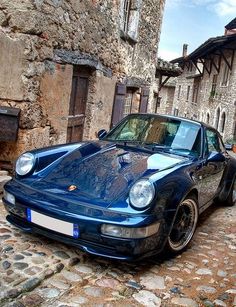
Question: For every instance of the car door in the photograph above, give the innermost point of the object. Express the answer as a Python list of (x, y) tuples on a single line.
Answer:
[(212, 167)]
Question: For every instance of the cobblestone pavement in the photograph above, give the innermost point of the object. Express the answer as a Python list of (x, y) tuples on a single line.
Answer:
[(35, 271)]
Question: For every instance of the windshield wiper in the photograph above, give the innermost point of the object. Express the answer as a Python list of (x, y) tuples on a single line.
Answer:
[(155, 145), (180, 151)]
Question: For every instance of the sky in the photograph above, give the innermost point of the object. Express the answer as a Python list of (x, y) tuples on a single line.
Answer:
[(192, 22)]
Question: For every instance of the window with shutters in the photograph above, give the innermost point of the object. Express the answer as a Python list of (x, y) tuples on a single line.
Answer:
[(129, 19), (132, 101), (128, 100)]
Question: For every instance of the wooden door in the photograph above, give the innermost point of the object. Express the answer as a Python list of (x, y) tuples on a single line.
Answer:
[(78, 99)]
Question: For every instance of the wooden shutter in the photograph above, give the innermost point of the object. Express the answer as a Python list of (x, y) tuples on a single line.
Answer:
[(118, 106), (144, 100)]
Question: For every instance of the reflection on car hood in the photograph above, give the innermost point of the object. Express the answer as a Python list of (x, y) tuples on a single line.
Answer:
[(102, 171)]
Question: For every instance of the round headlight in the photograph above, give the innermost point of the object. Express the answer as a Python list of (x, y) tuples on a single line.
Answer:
[(142, 193), (25, 163)]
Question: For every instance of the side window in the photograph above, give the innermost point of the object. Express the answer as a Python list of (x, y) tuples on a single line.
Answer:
[(212, 141), (222, 147)]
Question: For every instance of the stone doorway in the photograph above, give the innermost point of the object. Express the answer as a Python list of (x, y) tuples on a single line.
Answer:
[(78, 101)]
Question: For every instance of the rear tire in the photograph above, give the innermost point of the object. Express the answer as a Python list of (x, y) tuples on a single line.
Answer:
[(184, 225), (231, 199)]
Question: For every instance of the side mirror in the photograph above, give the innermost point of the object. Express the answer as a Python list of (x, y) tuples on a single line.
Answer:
[(216, 157), (101, 134)]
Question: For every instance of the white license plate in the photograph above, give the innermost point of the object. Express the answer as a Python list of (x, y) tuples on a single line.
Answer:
[(51, 223)]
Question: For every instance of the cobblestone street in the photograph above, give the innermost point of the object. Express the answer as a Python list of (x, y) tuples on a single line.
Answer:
[(35, 271)]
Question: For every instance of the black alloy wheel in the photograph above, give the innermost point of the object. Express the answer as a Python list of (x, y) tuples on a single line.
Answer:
[(184, 225)]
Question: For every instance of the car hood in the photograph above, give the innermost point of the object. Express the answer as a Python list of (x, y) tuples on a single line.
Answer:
[(99, 173)]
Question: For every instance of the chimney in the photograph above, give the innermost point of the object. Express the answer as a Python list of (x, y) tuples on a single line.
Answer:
[(185, 50)]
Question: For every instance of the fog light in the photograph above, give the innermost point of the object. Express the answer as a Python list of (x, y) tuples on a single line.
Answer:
[(9, 197), (131, 233)]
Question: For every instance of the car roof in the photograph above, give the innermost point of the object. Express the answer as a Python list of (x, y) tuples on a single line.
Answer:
[(176, 117)]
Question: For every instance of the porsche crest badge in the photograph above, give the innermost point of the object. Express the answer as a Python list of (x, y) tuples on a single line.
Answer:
[(72, 188)]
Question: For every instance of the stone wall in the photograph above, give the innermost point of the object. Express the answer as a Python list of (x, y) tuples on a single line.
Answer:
[(185, 106), (224, 99), (208, 103), (41, 41)]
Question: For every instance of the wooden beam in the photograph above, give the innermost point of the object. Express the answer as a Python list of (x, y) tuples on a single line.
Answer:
[(210, 67), (226, 61), (162, 83), (195, 64), (232, 58), (215, 64), (204, 65)]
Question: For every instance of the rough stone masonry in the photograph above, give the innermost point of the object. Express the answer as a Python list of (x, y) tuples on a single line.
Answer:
[(42, 44)]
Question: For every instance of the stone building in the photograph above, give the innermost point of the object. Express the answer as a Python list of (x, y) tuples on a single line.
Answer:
[(206, 90), (166, 74), (73, 67)]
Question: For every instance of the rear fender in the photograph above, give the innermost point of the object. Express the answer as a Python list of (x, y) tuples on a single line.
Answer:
[(227, 180)]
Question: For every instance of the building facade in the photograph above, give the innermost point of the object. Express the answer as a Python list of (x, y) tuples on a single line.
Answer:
[(206, 90), (74, 67)]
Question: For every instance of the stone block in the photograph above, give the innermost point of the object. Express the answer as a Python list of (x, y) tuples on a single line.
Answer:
[(12, 63), (28, 21), (27, 140), (2, 18), (55, 89), (100, 110)]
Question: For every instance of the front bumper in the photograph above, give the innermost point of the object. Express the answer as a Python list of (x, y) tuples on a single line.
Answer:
[(90, 240)]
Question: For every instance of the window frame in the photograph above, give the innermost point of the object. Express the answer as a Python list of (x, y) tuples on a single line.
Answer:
[(225, 76)]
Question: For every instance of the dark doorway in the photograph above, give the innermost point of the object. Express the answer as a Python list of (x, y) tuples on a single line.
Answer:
[(78, 100)]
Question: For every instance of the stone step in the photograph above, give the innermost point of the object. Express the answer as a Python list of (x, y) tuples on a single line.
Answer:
[(3, 180)]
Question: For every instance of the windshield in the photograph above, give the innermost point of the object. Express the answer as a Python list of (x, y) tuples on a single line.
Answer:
[(167, 133)]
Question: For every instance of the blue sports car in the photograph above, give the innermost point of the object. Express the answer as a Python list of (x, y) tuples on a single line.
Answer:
[(135, 192)]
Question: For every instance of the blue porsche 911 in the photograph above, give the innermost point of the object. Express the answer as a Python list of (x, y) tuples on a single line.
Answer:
[(135, 192)]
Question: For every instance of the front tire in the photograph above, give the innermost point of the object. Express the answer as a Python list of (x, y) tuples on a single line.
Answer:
[(184, 225)]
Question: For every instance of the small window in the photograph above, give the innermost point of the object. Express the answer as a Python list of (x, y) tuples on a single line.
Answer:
[(179, 91), (195, 93), (208, 118), (188, 91), (217, 118), (213, 87), (176, 111), (226, 73), (212, 141), (127, 6), (222, 122)]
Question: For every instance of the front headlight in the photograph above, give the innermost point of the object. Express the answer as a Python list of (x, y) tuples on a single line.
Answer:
[(25, 163), (141, 194)]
